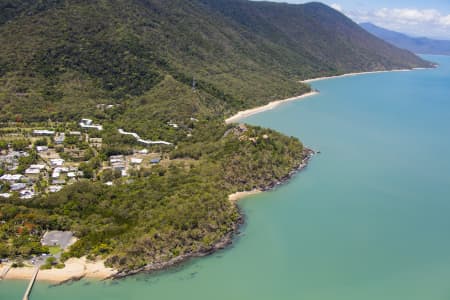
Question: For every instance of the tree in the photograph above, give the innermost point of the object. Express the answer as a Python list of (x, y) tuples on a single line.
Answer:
[(20, 145), (3, 145), (87, 169), (41, 142)]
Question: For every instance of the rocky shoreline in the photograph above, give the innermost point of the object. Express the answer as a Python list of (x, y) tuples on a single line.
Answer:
[(77, 269), (226, 240)]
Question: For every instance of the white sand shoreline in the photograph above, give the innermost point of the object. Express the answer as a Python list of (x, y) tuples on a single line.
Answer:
[(235, 197), (76, 268), (359, 73), (269, 106)]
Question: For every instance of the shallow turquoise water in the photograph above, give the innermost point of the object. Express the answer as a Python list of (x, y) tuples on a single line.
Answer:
[(369, 218)]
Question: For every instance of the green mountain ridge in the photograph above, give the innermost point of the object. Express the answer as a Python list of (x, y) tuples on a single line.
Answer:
[(241, 53)]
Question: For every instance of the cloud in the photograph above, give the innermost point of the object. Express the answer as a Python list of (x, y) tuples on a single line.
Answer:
[(425, 22), (336, 6), (411, 16)]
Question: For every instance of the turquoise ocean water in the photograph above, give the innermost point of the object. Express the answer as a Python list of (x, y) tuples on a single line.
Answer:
[(369, 218)]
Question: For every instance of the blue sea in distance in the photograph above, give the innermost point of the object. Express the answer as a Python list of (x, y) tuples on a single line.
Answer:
[(369, 219)]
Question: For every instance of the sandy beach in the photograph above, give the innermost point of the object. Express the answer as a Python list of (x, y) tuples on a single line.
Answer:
[(239, 195), (269, 106), (357, 73), (75, 268), (273, 104)]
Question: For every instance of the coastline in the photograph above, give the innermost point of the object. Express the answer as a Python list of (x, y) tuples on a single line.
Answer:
[(359, 73), (269, 106), (229, 237), (235, 197), (79, 268)]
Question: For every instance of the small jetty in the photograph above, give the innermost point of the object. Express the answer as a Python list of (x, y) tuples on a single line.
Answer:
[(4, 271), (30, 285)]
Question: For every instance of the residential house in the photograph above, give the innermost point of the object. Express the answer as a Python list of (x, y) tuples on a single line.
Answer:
[(56, 162), (96, 142), (11, 178), (136, 161), (155, 161), (43, 132), (55, 188), (27, 194), (18, 186), (41, 148), (59, 139)]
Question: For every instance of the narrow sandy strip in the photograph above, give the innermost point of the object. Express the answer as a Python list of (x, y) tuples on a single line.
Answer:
[(76, 268), (239, 195), (271, 105), (246, 113), (359, 73)]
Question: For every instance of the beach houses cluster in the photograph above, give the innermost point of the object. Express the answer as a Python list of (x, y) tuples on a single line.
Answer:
[(62, 174), (118, 163), (49, 170), (124, 164), (35, 170), (10, 160), (17, 183)]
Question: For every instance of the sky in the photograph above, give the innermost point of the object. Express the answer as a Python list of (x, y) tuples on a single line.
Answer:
[(429, 18)]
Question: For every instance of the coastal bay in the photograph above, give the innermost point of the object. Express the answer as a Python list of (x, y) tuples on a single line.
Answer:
[(367, 220)]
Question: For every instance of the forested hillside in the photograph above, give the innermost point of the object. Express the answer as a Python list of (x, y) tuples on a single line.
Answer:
[(59, 58)]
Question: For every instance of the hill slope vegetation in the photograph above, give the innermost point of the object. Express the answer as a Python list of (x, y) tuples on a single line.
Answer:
[(241, 53)]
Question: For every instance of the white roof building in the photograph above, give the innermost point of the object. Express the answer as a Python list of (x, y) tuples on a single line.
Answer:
[(54, 188), (56, 162), (31, 171), (41, 148), (56, 173), (11, 178), (5, 195), (59, 139), (26, 194), (174, 125), (136, 161), (18, 186), (116, 160), (40, 167), (43, 132)]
